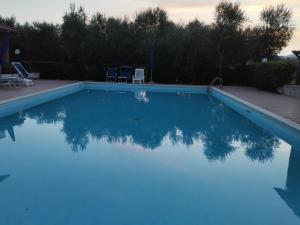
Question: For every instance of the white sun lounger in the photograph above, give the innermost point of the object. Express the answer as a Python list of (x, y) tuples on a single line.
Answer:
[(23, 72), (14, 80), (139, 76), (9, 81)]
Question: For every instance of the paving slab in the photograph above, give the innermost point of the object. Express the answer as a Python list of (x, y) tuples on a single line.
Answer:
[(7, 93), (285, 106)]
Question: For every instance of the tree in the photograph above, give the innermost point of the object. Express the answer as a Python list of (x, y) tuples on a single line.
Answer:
[(184, 53), (276, 31), (170, 55), (8, 21), (229, 20), (47, 42), (252, 37), (150, 26), (152, 21), (229, 16), (199, 50), (73, 33), (120, 41), (95, 45)]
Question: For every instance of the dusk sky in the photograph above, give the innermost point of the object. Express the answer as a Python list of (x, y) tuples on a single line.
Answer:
[(179, 10)]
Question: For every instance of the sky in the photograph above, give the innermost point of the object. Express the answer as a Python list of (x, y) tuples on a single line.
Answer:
[(181, 11)]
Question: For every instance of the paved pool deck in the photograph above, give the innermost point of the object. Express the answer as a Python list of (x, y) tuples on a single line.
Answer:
[(285, 106), (7, 93)]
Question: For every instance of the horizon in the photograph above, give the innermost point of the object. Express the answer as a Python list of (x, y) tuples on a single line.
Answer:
[(179, 11)]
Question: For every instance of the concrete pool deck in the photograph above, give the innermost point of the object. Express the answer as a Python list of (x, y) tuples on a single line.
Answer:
[(285, 106), (7, 93)]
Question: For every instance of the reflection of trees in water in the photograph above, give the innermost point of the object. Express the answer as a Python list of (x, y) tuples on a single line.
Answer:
[(51, 112), (145, 123), (119, 117), (228, 127), (217, 144), (262, 149), (219, 149)]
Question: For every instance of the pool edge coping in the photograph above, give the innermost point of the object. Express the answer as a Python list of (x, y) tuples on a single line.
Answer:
[(259, 109)]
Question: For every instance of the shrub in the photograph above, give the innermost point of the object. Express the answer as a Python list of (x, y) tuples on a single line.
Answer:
[(8, 69), (95, 72), (198, 75), (272, 75), (75, 71), (47, 70)]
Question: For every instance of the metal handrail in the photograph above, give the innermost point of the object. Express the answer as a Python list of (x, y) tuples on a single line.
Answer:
[(220, 85)]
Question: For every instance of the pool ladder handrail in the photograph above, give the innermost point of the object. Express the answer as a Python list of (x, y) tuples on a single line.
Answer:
[(212, 83)]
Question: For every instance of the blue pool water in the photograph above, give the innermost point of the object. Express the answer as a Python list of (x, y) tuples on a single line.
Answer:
[(124, 158)]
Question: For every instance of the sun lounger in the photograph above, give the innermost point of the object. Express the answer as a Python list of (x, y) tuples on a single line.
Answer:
[(112, 74), (23, 72), (125, 73), (9, 81), (14, 80), (139, 76)]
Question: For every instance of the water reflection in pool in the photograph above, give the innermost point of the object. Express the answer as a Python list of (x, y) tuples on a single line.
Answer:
[(151, 158)]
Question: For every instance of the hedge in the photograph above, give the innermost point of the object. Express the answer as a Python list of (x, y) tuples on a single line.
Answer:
[(267, 76), (272, 75)]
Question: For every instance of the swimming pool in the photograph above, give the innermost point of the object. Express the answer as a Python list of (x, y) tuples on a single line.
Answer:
[(123, 154)]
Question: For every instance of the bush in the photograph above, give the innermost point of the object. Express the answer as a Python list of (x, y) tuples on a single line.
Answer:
[(198, 75), (8, 69), (47, 70), (272, 75), (95, 72)]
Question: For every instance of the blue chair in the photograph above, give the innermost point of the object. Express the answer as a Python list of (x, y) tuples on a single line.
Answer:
[(112, 73), (125, 73)]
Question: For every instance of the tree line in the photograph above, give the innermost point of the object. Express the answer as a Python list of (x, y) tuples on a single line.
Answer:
[(82, 47)]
